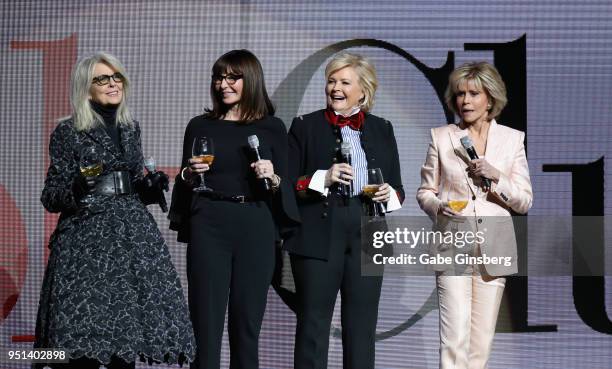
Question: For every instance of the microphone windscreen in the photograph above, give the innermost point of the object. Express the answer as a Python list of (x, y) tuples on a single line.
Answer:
[(345, 148), (466, 142), (253, 141), (149, 163)]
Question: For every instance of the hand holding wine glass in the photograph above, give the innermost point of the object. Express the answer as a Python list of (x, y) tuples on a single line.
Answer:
[(377, 190), (202, 152), (90, 166), (458, 196)]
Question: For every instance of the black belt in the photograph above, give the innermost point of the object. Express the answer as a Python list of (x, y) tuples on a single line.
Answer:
[(241, 199), (114, 183)]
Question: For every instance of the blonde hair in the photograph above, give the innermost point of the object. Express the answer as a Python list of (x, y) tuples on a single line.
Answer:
[(83, 115), (486, 77), (364, 70)]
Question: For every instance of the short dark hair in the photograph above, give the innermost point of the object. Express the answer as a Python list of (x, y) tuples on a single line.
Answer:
[(254, 103)]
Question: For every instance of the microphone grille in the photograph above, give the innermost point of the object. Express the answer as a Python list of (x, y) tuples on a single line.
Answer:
[(253, 141), (345, 148), (466, 142), (149, 163)]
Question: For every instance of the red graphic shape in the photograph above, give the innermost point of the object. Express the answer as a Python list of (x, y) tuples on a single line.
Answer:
[(14, 255), (170, 171), (58, 56)]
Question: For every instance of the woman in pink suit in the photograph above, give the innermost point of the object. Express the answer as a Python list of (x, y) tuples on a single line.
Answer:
[(495, 183)]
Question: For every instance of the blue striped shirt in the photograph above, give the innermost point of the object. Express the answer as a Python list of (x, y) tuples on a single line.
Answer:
[(358, 158)]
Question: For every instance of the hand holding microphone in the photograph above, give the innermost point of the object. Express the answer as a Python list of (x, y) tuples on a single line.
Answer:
[(482, 168), (345, 151), (338, 173), (341, 173), (157, 182), (264, 169), (479, 167)]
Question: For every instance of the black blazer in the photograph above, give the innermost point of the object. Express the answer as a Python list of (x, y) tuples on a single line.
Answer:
[(315, 144)]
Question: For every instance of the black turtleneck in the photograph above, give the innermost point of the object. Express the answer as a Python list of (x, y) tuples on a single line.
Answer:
[(108, 114)]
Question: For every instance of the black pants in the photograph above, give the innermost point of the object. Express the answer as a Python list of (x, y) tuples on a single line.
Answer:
[(317, 283), (231, 255), (87, 363)]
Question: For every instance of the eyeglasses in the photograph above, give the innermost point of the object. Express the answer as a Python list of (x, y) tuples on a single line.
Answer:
[(104, 79), (231, 79)]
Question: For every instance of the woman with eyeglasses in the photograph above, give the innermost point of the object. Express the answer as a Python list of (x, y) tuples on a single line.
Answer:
[(232, 216), (110, 293)]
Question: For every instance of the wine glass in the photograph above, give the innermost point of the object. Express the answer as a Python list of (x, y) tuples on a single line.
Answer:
[(458, 195), (375, 180), (203, 151), (90, 165)]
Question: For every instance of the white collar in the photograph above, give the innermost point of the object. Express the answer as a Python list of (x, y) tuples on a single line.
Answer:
[(355, 110)]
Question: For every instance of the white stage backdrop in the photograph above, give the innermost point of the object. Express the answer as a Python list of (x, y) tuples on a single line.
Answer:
[(556, 57)]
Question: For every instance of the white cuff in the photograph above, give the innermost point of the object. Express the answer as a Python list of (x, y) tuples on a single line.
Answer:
[(394, 202), (317, 182)]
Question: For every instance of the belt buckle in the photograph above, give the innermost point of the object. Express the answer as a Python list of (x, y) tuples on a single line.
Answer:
[(239, 198), (122, 183), (116, 183), (119, 185)]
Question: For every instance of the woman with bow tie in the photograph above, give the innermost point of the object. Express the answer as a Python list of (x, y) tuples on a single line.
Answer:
[(326, 251)]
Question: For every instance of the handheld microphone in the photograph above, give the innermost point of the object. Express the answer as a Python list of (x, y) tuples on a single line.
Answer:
[(149, 164), (345, 150), (468, 145), (254, 145)]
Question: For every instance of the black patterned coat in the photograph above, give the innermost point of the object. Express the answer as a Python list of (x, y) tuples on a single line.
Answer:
[(110, 287)]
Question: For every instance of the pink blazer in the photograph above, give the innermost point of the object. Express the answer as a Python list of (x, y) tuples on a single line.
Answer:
[(446, 162)]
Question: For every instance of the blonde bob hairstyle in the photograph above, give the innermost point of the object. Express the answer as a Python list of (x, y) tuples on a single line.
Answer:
[(364, 70), (486, 77), (83, 115)]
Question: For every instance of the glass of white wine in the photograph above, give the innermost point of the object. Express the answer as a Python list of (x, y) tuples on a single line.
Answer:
[(458, 196), (90, 165), (375, 180), (203, 151)]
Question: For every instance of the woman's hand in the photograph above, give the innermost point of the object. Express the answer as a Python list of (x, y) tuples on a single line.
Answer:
[(339, 173), (263, 168), (482, 168), (447, 211), (196, 167), (82, 186), (383, 194)]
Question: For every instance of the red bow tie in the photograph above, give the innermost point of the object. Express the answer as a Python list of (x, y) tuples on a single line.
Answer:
[(355, 121)]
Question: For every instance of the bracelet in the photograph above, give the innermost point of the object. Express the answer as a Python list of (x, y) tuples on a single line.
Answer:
[(276, 180), (183, 174)]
